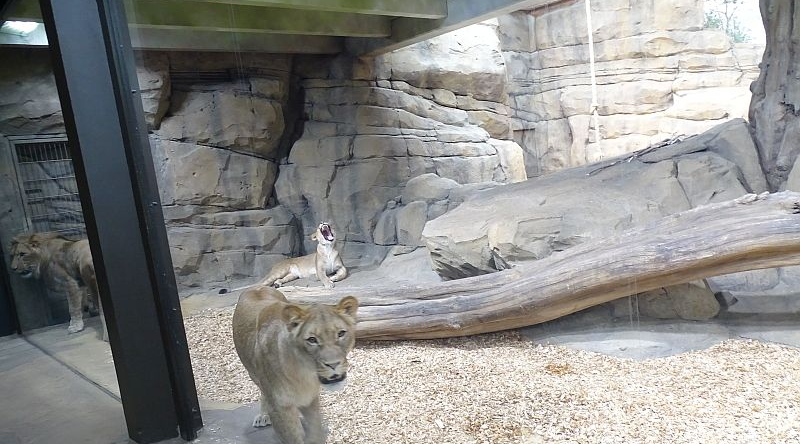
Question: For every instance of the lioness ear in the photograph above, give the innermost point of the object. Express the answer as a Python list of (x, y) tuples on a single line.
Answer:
[(314, 236), (293, 316), (348, 305)]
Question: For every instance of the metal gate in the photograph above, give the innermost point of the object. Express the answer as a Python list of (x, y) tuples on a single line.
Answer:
[(47, 182)]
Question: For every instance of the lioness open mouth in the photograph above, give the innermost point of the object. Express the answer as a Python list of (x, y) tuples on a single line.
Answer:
[(326, 231), (333, 380)]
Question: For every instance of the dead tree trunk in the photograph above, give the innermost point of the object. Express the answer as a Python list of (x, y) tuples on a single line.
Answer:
[(749, 233), (775, 106)]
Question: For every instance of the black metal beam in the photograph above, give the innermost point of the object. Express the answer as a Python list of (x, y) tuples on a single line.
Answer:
[(9, 323), (94, 69)]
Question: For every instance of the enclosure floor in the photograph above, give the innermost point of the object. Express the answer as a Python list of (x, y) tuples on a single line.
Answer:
[(506, 388), (50, 368), (65, 390), (642, 339), (44, 401)]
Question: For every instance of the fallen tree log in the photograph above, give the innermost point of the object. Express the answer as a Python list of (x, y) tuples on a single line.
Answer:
[(752, 232)]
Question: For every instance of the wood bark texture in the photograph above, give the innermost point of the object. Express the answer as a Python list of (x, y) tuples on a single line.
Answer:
[(775, 106), (752, 232)]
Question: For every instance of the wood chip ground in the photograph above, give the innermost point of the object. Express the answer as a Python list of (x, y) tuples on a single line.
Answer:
[(500, 388)]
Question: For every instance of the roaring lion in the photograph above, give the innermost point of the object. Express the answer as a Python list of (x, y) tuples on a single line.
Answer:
[(65, 266), (319, 264), (288, 350)]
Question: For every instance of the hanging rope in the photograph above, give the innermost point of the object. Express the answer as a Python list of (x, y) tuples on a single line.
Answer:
[(594, 105)]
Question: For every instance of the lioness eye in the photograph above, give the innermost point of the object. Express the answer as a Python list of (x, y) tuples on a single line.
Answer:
[(342, 333), (312, 340)]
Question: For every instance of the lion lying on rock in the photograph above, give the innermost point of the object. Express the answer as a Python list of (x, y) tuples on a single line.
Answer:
[(319, 264), (64, 266), (288, 350)]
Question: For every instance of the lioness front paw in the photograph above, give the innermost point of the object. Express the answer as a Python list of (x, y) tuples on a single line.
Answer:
[(261, 421), (75, 326)]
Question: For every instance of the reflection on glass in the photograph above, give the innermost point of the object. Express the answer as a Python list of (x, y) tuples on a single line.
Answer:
[(47, 281)]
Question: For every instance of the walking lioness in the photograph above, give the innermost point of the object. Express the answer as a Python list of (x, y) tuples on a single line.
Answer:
[(288, 350), (319, 264)]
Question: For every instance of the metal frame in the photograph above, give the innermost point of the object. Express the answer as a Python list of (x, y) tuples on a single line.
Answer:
[(15, 165), (8, 307), (362, 27), (94, 67)]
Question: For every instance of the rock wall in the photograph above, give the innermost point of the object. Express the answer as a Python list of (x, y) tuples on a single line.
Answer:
[(434, 109), (218, 127), (533, 219), (216, 144), (241, 186), (658, 75), (253, 150), (29, 101)]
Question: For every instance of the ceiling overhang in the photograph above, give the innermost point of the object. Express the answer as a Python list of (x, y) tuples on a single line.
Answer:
[(361, 27)]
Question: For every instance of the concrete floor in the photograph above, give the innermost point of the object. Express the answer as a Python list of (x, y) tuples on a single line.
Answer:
[(64, 391), (64, 388), (641, 339), (44, 401)]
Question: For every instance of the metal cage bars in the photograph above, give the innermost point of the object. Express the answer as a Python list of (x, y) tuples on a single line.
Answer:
[(46, 179)]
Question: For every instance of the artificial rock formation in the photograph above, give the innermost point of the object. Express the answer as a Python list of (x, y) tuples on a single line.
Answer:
[(659, 75), (235, 116), (364, 141), (533, 219), (693, 301), (29, 101), (375, 125), (216, 150), (155, 85), (385, 146)]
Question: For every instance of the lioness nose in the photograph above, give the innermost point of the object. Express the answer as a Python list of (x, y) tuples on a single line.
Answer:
[(333, 365)]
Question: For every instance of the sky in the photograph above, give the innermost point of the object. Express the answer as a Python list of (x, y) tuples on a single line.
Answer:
[(749, 15)]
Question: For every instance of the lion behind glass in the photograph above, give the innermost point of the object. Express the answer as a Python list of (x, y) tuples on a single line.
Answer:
[(64, 266), (325, 264)]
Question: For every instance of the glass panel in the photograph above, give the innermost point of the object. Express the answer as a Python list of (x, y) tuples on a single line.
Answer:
[(499, 145), (47, 282), (510, 143), (49, 203)]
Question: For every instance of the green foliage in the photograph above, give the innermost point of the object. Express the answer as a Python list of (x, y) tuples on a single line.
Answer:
[(722, 14), (712, 21)]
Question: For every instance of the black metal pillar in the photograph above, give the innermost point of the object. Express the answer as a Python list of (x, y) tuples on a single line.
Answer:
[(9, 324), (95, 73)]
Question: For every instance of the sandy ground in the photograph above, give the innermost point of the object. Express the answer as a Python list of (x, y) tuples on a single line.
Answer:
[(502, 388)]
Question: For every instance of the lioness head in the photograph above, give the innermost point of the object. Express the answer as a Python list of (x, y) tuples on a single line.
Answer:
[(26, 254), (326, 333), (324, 234)]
